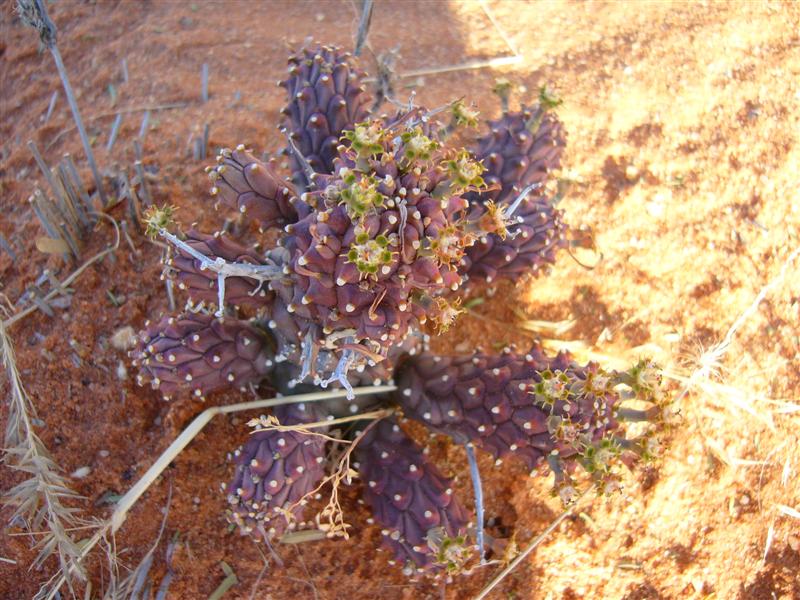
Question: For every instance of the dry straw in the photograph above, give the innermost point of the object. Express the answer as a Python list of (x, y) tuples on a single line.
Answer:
[(43, 498), (34, 14)]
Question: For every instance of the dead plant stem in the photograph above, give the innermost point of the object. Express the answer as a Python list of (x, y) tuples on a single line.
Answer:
[(530, 548), (197, 425)]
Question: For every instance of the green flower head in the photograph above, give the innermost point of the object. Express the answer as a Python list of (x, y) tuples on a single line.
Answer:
[(464, 115), (465, 172), (360, 196), (417, 146), (366, 139), (370, 256)]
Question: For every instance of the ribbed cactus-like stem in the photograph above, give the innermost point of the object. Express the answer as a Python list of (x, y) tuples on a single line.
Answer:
[(520, 149), (326, 98), (421, 520), (275, 473), (381, 244), (253, 188), (528, 250), (201, 353), (543, 410)]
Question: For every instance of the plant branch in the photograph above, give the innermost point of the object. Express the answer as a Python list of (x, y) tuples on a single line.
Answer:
[(224, 269), (50, 589), (38, 500)]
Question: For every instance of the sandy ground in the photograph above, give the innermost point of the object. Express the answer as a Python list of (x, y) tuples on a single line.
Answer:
[(683, 121)]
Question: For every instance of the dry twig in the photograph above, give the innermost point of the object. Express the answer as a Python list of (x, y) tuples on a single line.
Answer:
[(530, 548)]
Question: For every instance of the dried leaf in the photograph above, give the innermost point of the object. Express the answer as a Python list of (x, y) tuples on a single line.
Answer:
[(301, 537), (51, 245)]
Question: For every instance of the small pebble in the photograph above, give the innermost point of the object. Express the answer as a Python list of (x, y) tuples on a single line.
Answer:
[(104, 453), (631, 173), (81, 472), (122, 371)]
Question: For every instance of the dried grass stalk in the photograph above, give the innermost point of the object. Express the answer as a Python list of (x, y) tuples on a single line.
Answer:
[(41, 500)]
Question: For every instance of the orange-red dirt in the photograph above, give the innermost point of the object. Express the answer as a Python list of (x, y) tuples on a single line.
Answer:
[(683, 123)]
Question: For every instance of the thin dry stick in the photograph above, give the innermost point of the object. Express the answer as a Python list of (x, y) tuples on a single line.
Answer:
[(478, 490), (34, 14), (122, 111), (530, 548), (112, 137), (499, 29), (306, 428), (500, 61), (134, 582), (51, 106), (197, 425), (363, 25), (204, 83)]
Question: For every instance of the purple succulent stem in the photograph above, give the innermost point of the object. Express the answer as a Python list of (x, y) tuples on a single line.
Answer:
[(476, 485)]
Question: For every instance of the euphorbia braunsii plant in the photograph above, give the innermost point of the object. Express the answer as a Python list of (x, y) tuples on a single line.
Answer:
[(361, 254)]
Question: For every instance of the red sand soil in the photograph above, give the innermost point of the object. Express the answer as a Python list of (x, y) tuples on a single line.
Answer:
[(683, 122)]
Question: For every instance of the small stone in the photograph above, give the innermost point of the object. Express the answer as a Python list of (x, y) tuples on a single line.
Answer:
[(81, 472)]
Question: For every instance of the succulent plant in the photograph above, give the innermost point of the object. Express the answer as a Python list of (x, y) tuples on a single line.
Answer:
[(546, 411), (277, 471), (519, 152), (201, 353), (358, 260), (251, 187), (326, 98), (409, 498)]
